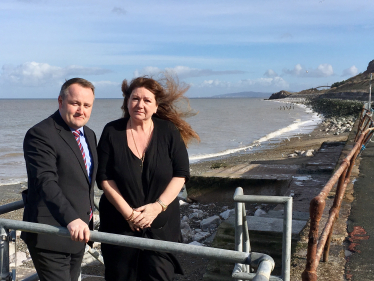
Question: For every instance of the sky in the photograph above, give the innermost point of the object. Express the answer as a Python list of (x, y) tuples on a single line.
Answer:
[(215, 46)]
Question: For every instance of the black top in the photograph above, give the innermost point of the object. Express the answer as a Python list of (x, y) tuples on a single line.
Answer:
[(166, 157)]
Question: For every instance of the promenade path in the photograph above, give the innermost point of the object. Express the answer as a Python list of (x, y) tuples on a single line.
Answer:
[(360, 262)]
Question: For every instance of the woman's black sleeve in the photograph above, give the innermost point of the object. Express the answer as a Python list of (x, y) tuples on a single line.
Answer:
[(105, 155), (179, 155)]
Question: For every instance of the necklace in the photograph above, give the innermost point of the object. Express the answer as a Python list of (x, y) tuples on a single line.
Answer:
[(142, 157)]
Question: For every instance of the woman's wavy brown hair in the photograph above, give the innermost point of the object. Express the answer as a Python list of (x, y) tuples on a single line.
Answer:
[(170, 99)]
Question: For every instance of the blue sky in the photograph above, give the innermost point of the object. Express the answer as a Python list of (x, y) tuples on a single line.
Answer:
[(216, 47)]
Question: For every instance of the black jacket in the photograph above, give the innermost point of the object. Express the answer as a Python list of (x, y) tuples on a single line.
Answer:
[(58, 186)]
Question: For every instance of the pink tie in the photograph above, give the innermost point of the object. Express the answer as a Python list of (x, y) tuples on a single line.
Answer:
[(77, 134)]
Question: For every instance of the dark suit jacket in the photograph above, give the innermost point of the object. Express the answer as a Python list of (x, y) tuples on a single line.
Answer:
[(58, 186)]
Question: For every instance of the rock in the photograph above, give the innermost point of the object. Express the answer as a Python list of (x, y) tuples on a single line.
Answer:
[(280, 95), (195, 243), (260, 212), (186, 231), (185, 219), (21, 257), (309, 153), (210, 223), (370, 68), (183, 193), (224, 215), (200, 236), (194, 206), (182, 203), (292, 155), (196, 214)]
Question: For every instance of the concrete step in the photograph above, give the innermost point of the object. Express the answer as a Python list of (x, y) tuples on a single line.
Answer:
[(255, 171), (302, 216)]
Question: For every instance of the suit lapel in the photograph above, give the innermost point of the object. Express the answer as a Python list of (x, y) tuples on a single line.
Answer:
[(69, 138)]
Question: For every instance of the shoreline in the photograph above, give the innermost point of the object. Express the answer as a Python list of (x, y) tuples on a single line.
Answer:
[(273, 151)]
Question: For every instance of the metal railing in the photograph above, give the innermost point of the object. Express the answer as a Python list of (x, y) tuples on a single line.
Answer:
[(321, 246), (242, 241), (243, 259)]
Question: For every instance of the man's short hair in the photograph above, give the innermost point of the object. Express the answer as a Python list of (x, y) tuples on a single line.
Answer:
[(80, 81)]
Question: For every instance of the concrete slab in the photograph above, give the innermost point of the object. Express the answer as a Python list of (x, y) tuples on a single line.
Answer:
[(303, 216)]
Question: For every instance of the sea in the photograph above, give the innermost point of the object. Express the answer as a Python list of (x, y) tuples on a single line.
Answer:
[(226, 126)]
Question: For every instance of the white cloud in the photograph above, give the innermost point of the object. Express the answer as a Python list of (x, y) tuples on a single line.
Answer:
[(272, 83), (352, 71), (105, 83), (214, 83), (37, 74), (185, 71), (270, 73), (323, 70)]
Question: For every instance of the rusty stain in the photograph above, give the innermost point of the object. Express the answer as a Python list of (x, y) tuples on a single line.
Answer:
[(355, 237)]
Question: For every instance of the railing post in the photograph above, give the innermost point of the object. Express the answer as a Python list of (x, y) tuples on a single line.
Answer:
[(317, 205), (287, 240), (239, 224), (326, 249), (5, 275)]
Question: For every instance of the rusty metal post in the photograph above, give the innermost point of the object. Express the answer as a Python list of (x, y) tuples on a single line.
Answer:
[(326, 249), (317, 205)]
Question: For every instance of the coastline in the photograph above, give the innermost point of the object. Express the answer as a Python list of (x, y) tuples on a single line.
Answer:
[(272, 151)]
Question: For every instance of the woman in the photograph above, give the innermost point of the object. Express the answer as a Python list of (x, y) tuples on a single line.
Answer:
[(143, 164)]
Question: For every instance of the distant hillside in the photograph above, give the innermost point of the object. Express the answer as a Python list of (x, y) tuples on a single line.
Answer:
[(243, 95), (354, 88)]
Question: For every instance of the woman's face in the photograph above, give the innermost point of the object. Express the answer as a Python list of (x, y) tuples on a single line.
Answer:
[(142, 104)]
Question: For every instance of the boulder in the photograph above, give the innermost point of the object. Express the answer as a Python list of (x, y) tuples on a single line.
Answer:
[(259, 213), (280, 95), (200, 236), (370, 68), (224, 215), (198, 214), (210, 223), (186, 231), (195, 243)]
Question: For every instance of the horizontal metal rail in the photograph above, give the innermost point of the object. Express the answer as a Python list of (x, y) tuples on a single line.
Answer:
[(11, 207), (321, 246), (287, 227), (254, 259)]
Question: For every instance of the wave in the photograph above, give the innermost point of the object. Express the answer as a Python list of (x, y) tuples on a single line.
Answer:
[(301, 126), (12, 181)]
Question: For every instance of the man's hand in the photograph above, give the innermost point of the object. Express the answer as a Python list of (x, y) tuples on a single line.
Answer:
[(79, 230)]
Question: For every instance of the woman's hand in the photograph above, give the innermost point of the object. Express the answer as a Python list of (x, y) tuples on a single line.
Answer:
[(148, 214), (133, 226), (131, 223)]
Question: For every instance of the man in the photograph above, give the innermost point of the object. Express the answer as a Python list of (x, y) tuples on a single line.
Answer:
[(61, 167)]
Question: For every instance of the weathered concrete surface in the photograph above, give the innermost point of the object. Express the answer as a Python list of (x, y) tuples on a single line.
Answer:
[(303, 179), (334, 268), (360, 251)]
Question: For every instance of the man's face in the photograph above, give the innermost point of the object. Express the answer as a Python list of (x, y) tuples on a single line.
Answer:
[(76, 107)]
